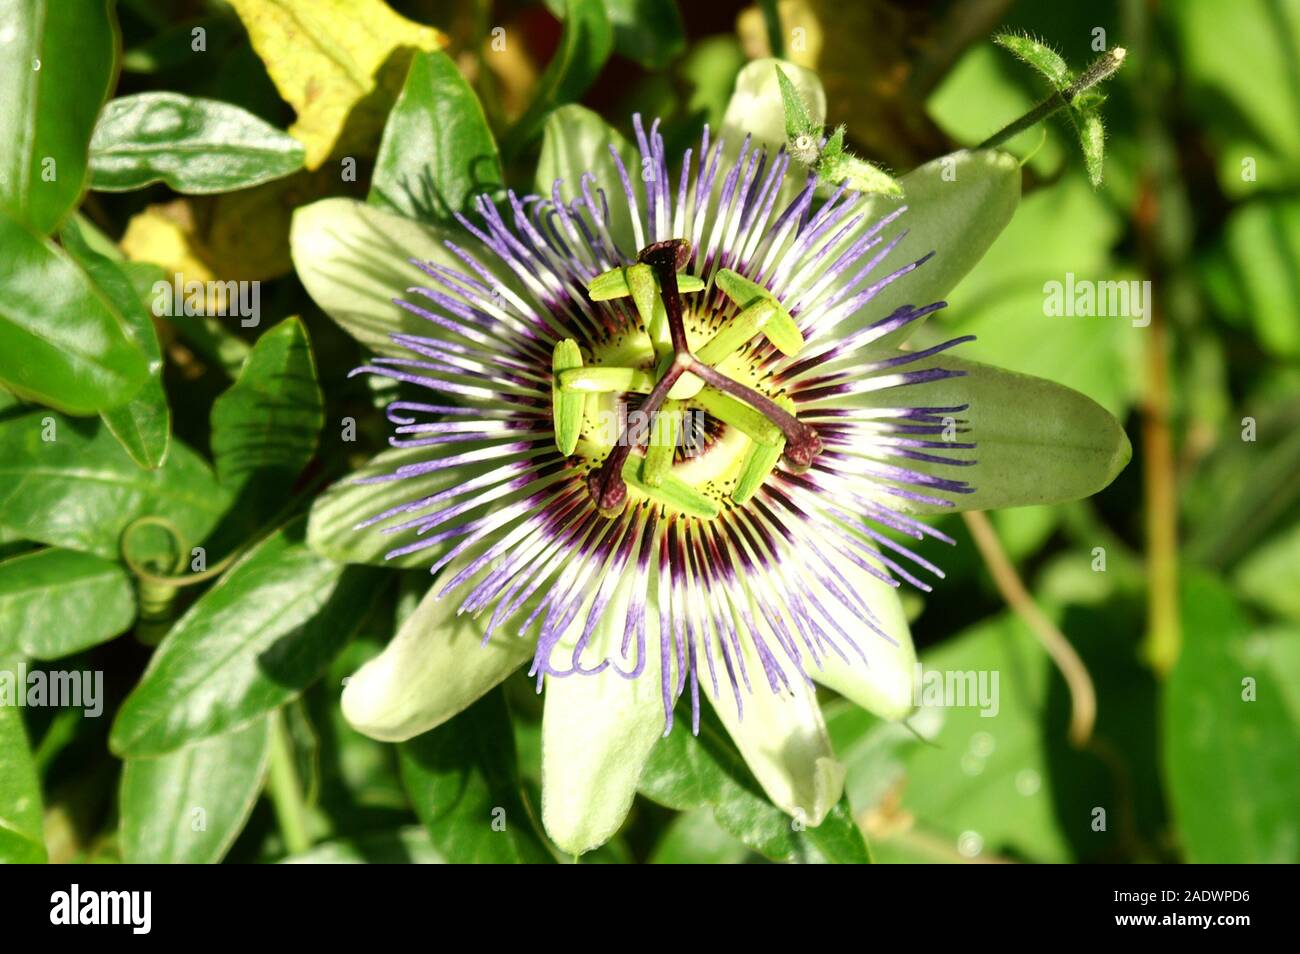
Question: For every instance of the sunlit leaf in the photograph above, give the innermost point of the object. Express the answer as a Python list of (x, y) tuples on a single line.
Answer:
[(194, 145), (338, 63)]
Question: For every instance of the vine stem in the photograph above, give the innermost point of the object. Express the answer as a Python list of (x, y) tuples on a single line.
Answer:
[(285, 790), (772, 22), (1083, 697), (1102, 68)]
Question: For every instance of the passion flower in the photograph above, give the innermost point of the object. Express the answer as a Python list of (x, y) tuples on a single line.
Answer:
[(670, 449)]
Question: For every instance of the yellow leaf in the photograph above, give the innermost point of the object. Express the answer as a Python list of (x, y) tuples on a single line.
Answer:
[(164, 235), (261, 253), (338, 63)]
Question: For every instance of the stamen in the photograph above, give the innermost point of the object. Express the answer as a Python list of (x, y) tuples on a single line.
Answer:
[(802, 444), (601, 380), (606, 483), (737, 332), (566, 407), (781, 329), (758, 464), (663, 444), (764, 421), (740, 416)]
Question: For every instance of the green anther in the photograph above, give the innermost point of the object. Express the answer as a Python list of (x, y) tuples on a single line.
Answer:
[(760, 460), (663, 445), (739, 415), (737, 331), (639, 282), (613, 284), (780, 329), (674, 491), (644, 288), (598, 380), (607, 285), (566, 406)]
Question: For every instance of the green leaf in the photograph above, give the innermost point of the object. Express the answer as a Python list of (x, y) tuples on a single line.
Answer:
[(798, 122), (70, 484), (56, 72), (990, 775), (686, 772), (143, 424), (196, 146), (353, 259), (696, 838), (409, 845), (248, 645), (1037, 442), (463, 780), (266, 425), (647, 31), (83, 363), (1238, 83), (1252, 273), (575, 141), (1269, 576), (437, 153), (709, 71), (54, 602), (22, 839), (188, 807), (1230, 742), (1039, 56), (585, 46)]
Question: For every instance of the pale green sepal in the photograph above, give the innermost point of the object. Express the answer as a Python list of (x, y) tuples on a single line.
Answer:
[(332, 526), (597, 733), (1037, 441), (957, 205), (576, 140), (783, 740), (353, 259), (884, 683), (434, 667)]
